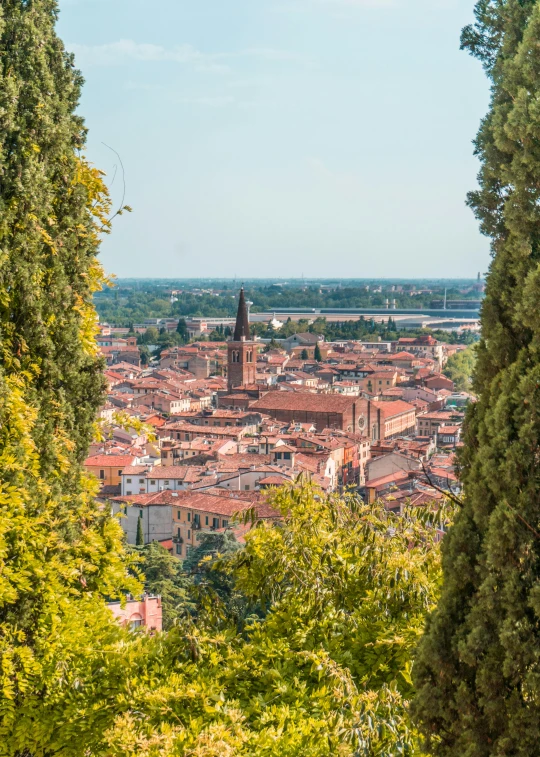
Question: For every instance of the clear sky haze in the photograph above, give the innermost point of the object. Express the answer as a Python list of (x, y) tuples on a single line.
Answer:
[(284, 137)]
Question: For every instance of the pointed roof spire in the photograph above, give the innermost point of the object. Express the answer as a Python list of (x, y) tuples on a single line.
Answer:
[(241, 332)]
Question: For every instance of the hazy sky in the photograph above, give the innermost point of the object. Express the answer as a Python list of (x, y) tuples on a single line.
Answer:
[(284, 137)]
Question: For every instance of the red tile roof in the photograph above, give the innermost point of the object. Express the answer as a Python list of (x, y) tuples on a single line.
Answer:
[(397, 477), (104, 461), (392, 409), (303, 401), (203, 501)]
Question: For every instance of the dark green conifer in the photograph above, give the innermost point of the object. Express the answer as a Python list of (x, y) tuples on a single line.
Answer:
[(47, 232), (140, 533), (60, 551), (478, 669), (182, 330)]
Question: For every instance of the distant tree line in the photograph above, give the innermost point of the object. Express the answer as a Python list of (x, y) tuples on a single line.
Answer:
[(122, 305)]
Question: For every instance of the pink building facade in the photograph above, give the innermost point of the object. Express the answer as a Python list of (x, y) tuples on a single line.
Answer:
[(146, 613)]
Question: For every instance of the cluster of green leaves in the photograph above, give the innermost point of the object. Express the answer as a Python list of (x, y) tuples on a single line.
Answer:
[(460, 369), (186, 587), (325, 670), (478, 670)]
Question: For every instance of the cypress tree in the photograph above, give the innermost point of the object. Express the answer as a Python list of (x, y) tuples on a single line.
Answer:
[(478, 667), (182, 330), (139, 541), (59, 551), (47, 232)]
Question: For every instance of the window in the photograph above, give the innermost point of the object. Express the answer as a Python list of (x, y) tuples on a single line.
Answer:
[(128, 481), (246, 487), (178, 549), (136, 623), (206, 521), (189, 534), (225, 523), (166, 482), (215, 522), (119, 472), (179, 532), (178, 515), (189, 516), (286, 455), (128, 492), (102, 474), (141, 480), (153, 482)]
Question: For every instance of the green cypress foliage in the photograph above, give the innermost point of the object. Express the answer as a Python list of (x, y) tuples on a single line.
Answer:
[(318, 356), (47, 233), (478, 669), (59, 551), (139, 541)]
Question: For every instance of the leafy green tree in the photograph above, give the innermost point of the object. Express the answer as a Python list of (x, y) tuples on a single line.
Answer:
[(318, 356), (163, 576), (272, 345), (144, 352), (304, 355), (325, 672), (150, 336), (478, 666), (460, 368)]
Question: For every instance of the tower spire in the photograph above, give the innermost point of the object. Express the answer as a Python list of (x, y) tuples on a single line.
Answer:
[(241, 331)]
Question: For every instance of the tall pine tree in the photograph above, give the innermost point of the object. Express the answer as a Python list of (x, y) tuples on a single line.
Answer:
[(478, 668)]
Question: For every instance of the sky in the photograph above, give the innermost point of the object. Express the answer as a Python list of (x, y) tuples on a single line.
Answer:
[(281, 138)]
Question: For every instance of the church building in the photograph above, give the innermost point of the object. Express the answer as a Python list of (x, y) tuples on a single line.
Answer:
[(241, 352)]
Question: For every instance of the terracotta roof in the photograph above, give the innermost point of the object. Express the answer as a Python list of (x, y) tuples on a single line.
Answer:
[(442, 473), (304, 401), (222, 504), (284, 448), (402, 356), (391, 409), (274, 481), (397, 477), (117, 461)]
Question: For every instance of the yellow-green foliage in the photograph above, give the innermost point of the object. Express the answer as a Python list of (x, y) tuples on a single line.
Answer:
[(327, 672)]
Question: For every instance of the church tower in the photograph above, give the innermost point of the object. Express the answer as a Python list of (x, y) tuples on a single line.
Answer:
[(241, 352)]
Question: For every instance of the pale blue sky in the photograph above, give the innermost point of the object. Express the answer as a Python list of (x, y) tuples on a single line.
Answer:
[(281, 137)]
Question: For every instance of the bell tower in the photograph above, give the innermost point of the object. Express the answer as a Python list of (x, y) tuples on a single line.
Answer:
[(241, 351)]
